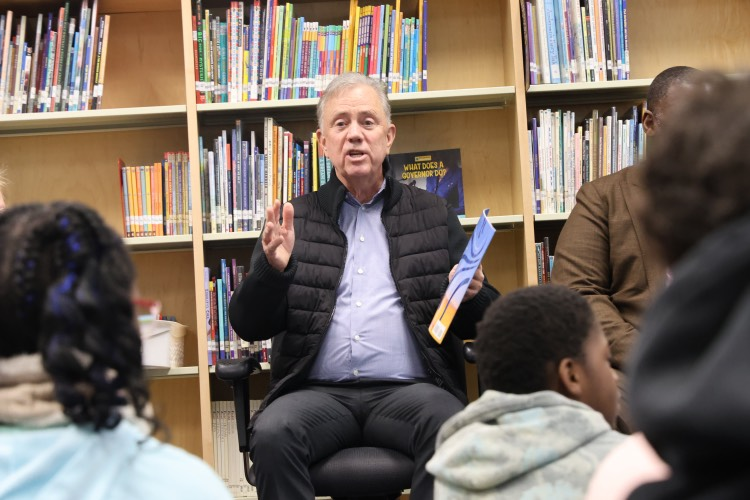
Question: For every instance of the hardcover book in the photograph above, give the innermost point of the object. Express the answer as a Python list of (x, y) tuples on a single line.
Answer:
[(436, 171)]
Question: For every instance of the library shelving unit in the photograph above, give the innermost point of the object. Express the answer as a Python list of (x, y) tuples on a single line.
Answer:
[(661, 34), (477, 101)]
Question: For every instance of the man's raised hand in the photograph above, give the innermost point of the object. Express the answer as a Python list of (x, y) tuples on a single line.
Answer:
[(278, 238)]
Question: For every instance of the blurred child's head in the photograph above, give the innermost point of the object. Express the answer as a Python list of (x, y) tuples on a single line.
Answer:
[(698, 175), (546, 338), (66, 281)]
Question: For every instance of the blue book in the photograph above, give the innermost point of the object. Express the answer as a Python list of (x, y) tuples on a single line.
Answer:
[(223, 342), (562, 42), (552, 42)]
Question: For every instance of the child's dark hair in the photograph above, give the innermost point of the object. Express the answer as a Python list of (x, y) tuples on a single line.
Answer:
[(66, 281), (525, 334)]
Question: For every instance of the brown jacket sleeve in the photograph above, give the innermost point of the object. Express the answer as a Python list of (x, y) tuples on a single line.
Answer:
[(584, 262)]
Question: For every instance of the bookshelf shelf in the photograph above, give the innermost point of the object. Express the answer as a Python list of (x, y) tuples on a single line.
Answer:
[(93, 120), (453, 100), (402, 103), (171, 373), (231, 237), (563, 94), (551, 217), (159, 243), (499, 222)]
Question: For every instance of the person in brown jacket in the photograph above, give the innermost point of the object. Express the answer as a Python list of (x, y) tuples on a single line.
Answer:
[(602, 251)]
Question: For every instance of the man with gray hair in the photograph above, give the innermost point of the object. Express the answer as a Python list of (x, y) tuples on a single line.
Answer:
[(346, 280)]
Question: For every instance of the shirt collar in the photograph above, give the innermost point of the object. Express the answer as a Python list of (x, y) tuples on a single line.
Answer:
[(351, 200)]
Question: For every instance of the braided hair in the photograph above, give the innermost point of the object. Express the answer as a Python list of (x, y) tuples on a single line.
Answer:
[(66, 281)]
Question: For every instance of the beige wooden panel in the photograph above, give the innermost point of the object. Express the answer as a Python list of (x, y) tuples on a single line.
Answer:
[(520, 172), (465, 44), (144, 60), (82, 167), (119, 6), (501, 262), (203, 428), (168, 277), (700, 33), (176, 403), (482, 137)]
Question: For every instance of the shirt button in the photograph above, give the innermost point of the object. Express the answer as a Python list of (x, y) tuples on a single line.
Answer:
[(359, 303), (360, 271), (362, 238), (357, 337), (355, 372)]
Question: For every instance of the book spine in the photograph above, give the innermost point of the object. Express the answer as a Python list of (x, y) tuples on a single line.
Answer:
[(626, 49)]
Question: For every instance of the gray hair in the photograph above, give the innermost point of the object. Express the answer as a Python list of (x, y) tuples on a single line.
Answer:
[(346, 81)]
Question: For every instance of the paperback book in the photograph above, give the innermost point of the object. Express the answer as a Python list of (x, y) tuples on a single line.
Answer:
[(467, 266), (436, 171)]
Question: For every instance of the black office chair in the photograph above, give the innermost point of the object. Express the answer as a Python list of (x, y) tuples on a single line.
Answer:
[(362, 473)]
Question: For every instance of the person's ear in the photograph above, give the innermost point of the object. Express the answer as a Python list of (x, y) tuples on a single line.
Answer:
[(321, 140), (649, 122), (390, 136), (570, 376)]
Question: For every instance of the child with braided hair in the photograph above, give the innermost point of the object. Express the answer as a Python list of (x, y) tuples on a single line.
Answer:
[(74, 405)]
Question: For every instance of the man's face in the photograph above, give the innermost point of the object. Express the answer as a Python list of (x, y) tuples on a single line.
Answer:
[(356, 136)]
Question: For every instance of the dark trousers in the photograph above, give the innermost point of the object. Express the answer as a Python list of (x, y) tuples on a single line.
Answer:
[(307, 425)]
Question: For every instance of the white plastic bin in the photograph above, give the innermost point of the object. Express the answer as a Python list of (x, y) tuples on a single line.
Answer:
[(163, 343)]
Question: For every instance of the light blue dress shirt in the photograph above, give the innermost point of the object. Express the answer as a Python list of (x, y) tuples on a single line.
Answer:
[(368, 337)]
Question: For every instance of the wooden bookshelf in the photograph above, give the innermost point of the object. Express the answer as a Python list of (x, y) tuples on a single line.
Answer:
[(477, 101), (551, 217), (93, 120), (180, 372)]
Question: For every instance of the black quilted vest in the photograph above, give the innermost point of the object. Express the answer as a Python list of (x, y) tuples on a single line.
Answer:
[(416, 226)]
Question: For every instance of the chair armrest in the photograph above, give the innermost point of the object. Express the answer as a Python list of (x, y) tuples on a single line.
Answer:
[(229, 370), (236, 372), (470, 353)]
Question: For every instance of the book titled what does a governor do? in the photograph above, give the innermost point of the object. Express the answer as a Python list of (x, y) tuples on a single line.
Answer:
[(436, 171)]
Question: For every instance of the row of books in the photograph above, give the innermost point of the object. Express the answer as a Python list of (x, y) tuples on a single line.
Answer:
[(155, 198), (59, 67), (240, 177), (569, 41), (565, 154), (544, 261), (223, 342), (228, 461), (265, 53)]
